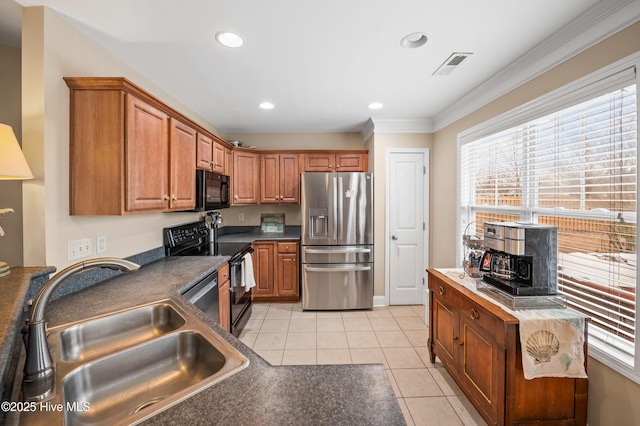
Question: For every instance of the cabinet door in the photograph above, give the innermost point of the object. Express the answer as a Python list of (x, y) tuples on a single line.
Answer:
[(263, 269), (183, 166), (204, 152), (224, 298), (445, 331), (218, 158), (289, 178), (228, 162), (147, 156), (287, 282), (269, 178), (321, 162), (350, 162), (246, 173), (482, 364)]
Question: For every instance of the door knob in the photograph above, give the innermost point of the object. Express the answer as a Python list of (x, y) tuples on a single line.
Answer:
[(394, 237)]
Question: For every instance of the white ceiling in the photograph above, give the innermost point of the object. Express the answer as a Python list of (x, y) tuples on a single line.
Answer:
[(322, 62)]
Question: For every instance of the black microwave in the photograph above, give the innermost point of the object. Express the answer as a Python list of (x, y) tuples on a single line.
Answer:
[(212, 191)]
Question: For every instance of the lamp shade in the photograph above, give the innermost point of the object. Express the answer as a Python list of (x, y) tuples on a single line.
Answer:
[(13, 165)]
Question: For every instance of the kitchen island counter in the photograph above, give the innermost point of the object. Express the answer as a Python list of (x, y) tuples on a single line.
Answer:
[(260, 394)]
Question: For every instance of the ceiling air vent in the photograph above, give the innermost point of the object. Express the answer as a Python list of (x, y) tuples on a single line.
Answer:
[(451, 63)]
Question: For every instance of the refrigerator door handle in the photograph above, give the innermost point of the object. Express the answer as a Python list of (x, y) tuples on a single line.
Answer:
[(346, 268), (336, 220), (338, 250), (340, 209)]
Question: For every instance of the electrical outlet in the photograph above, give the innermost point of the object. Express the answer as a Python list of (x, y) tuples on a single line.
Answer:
[(101, 244), (77, 249), (241, 217)]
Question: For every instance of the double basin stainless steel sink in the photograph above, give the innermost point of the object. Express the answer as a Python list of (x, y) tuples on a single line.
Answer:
[(127, 366)]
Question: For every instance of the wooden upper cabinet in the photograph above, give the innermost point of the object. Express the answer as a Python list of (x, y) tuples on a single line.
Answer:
[(321, 162), (204, 152), (246, 175), (335, 161), (351, 162), (279, 178), (289, 178), (147, 156), (228, 162), (128, 152), (212, 154), (219, 157), (183, 157)]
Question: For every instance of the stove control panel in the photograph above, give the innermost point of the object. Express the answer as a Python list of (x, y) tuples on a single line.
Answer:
[(184, 234)]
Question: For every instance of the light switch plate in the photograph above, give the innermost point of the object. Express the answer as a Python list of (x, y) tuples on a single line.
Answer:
[(77, 249)]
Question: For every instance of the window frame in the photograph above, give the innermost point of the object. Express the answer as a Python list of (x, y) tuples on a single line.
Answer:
[(573, 93)]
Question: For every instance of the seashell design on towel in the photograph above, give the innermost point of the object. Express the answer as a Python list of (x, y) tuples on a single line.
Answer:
[(542, 345)]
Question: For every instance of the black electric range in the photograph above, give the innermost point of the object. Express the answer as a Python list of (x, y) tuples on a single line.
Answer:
[(194, 239)]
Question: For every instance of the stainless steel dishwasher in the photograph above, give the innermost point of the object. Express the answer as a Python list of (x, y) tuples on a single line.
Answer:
[(204, 296)]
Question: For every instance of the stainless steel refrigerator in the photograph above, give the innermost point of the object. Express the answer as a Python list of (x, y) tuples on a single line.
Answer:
[(337, 241)]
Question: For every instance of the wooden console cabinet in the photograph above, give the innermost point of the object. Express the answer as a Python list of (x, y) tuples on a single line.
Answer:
[(478, 344)]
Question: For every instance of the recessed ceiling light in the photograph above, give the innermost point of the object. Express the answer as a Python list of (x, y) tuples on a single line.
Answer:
[(413, 40), (229, 39), (266, 105), (375, 105)]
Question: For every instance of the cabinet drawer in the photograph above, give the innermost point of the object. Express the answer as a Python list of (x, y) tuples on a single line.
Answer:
[(445, 292), (288, 247), (478, 315)]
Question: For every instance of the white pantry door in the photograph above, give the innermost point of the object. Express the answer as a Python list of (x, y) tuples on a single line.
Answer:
[(407, 201)]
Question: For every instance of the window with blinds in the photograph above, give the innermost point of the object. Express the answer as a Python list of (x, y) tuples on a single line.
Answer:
[(573, 167)]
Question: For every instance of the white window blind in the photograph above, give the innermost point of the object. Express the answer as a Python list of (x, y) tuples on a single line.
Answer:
[(573, 167)]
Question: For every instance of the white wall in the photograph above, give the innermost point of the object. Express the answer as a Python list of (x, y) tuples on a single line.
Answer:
[(52, 49), (11, 191), (613, 399)]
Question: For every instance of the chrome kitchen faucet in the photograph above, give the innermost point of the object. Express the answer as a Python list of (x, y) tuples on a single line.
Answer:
[(38, 379)]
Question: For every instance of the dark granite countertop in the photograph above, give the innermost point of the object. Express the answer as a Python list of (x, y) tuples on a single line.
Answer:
[(260, 394)]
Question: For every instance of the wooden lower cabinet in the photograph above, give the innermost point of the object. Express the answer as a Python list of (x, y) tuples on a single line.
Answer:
[(224, 297), (478, 344), (276, 269)]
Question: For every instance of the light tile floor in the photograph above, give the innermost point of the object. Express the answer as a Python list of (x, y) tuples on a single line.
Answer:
[(396, 336)]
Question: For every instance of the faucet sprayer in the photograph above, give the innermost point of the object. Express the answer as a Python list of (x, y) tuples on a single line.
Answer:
[(37, 382)]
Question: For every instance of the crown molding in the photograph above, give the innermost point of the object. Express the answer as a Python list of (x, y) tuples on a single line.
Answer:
[(601, 21)]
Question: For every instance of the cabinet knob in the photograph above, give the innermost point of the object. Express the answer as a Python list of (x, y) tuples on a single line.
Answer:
[(337, 166), (174, 198), (166, 197), (442, 291), (475, 314), (330, 166)]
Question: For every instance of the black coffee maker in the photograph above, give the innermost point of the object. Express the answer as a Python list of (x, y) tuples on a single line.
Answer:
[(520, 258)]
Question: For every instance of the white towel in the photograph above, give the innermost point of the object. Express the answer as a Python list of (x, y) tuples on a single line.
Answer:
[(248, 280), (552, 343)]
